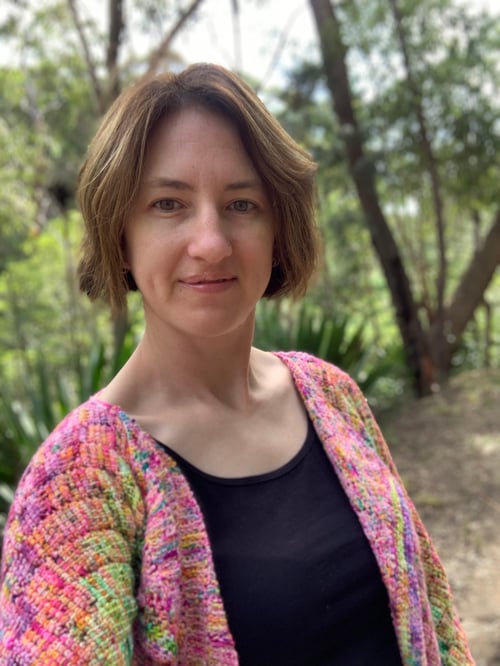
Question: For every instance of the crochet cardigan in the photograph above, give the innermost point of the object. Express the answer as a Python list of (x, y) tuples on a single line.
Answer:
[(107, 561)]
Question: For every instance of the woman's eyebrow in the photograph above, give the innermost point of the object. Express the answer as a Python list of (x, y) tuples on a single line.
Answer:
[(162, 181), (250, 184)]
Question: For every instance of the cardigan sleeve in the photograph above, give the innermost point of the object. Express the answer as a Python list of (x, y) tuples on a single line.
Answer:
[(67, 577), (451, 637)]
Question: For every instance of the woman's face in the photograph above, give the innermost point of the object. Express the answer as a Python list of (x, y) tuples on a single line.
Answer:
[(199, 238)]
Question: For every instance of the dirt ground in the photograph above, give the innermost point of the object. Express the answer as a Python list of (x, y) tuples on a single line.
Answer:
[(447, 448)]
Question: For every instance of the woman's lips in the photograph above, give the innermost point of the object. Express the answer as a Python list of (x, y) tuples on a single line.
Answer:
[(209, 283), (207, 276)]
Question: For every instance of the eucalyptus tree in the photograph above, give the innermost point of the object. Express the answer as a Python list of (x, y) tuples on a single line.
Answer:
[(412, 86)]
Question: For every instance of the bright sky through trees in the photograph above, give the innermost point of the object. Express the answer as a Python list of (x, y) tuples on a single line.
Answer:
[(268, 38), (272, 34)]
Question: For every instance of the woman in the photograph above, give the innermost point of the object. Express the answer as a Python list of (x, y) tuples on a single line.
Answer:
[(214, 504)]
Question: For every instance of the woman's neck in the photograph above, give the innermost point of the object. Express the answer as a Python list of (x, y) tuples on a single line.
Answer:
[(176, 369)]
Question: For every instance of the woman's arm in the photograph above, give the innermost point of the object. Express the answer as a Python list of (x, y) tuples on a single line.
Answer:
[(67, 578)]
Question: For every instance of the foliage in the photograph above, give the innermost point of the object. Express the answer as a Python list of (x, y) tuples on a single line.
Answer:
[(44, 401), (46, 108), (452, 54), (307, 327)]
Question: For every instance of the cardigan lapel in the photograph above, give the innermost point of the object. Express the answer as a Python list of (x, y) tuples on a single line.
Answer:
[(378, 500)]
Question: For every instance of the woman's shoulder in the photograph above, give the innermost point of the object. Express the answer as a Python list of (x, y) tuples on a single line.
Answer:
[(320, 380), (309, 367), (92, 410), (95, 434), (95, 419)]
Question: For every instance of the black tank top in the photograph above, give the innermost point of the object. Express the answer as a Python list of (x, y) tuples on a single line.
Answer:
[(299, 581)]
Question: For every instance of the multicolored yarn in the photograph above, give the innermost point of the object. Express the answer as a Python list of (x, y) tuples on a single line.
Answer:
[(107, 561)]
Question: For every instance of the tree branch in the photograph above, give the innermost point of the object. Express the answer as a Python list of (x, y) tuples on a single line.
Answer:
[(116, 25), (475, 280), (276, 55), (430, 158), (91, 68), (163, 48)]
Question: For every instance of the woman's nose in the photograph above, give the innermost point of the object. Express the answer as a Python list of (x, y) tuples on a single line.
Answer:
[(209, 238)]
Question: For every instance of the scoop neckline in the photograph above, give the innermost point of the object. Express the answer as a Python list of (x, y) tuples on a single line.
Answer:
[(280, 471)]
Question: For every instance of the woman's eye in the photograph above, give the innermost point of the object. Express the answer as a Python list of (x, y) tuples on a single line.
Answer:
[(167, 205), (242, 206)]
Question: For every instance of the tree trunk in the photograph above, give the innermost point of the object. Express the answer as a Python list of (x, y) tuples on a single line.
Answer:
[(475, 280), (469, 295), (363, 174)]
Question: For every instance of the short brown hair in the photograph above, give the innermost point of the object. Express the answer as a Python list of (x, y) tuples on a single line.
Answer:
[(111, 174)]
